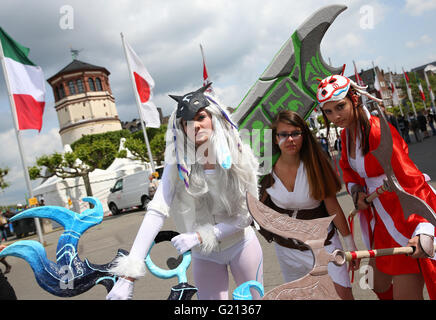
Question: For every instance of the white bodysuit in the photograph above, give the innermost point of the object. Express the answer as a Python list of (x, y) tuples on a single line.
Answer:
[(241, 250)]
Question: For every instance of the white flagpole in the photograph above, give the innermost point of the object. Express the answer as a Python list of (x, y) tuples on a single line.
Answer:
[(138, 104), (19, 142), (419, 82), (395, 93), (409, 92), (429, 89)]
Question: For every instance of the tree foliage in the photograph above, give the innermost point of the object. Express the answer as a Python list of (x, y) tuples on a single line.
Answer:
[(417, 100), (101, 139), (3, 183), (136, 144), (98, 151), (79, 163)]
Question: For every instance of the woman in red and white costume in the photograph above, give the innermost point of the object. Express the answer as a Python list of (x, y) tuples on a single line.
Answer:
[(382, 222)]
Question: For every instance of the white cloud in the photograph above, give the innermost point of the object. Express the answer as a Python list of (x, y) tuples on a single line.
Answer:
[(34, 146), (418, 7), (421, 41)]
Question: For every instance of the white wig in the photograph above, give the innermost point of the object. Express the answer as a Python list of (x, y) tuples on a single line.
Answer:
[(236, 165)]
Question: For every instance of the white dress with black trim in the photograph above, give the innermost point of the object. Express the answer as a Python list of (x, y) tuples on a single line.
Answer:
[(295, 263)]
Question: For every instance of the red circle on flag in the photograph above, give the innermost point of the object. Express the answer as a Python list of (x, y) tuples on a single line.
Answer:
[(142, 87)]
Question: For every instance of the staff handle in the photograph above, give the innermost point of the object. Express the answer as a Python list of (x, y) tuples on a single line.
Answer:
[(370, 198)]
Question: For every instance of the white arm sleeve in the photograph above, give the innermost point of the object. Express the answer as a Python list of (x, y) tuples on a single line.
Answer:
[(158, 209), (133, 265), (151, 225), (165, 191)]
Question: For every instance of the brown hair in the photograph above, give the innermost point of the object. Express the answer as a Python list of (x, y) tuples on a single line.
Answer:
[(361, 119), (323, 180)]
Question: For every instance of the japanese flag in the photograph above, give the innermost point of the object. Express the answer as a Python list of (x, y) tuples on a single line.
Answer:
[(144, 85)]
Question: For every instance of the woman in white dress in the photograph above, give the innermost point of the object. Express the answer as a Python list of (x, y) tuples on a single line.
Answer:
[(303, 185)]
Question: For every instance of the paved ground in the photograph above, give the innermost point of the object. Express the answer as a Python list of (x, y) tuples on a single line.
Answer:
[(100, 244)]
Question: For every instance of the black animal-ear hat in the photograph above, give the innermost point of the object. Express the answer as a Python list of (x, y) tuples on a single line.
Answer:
[(189, 104)]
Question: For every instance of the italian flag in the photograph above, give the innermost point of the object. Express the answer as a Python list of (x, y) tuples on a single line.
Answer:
[(25, 82), (407, 79), (421, 91)]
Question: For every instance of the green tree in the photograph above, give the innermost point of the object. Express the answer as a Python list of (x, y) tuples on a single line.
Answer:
[(113, 137), (417, 100), (136, 144), (3, 183), (79, 163)]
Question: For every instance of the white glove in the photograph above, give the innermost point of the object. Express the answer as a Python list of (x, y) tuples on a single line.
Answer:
[(122, 290), (185, 241)]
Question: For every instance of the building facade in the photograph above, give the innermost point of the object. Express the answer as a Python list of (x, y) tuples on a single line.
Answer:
[(83, 101)]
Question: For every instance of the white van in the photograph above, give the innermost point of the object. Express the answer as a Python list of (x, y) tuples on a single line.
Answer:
[(129, 191)]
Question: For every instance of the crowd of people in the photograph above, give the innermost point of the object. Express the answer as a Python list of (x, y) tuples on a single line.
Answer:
[(422, 125)]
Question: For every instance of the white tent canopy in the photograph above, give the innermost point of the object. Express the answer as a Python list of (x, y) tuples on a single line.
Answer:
[(57, 191)]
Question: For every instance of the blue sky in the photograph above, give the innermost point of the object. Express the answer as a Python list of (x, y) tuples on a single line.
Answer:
[(239, 38)]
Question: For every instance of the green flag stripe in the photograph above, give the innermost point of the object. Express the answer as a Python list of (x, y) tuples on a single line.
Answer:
[(14, 50)]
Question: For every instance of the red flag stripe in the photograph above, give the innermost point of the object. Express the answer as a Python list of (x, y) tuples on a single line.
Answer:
[(407, 77), (29, 112), (205, 75)]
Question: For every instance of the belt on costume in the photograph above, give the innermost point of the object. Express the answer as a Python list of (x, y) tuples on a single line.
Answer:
[(295, 244), (303, 214)]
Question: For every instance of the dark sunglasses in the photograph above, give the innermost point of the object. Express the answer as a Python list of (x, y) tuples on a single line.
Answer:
[(293, 134)]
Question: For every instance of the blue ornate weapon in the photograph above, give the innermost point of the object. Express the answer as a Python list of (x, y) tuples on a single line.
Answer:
[(183, 290), (68, 276)]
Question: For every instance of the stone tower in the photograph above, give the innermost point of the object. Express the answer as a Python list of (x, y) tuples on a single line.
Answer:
[(83, 100)]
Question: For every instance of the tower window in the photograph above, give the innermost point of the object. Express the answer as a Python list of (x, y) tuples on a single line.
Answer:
[(91, 84), (98, 84), (72, 87), (80, 86), (61, 91)]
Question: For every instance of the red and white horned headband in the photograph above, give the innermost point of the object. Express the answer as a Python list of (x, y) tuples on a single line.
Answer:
[(335, 88)]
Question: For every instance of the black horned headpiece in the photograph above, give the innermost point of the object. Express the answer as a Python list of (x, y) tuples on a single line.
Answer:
[(190, 103)]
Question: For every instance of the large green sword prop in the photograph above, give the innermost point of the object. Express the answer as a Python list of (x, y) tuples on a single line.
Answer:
[(288, 83)]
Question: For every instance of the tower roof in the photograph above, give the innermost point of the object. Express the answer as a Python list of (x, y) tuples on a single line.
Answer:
[(77, 65)]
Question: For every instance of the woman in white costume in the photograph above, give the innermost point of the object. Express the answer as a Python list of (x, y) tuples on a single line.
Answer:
[(303, 185), (207, 172)]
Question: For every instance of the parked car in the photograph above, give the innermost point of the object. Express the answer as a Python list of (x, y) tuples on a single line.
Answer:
[(129, 191)]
